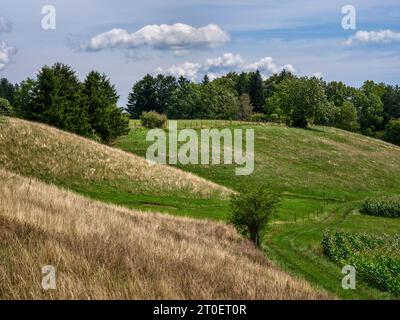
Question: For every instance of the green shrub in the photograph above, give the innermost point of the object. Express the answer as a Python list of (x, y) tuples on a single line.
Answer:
[(392, 132), (251, 210), (153, 119), (258, 117), (5, 107), (388, 207), (376, 258)]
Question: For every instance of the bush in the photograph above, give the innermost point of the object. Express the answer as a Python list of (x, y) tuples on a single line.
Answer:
[(392, 132), (376, 258), (258, 117), (153, 119), (388, 207), (5, 107), (251, 211)]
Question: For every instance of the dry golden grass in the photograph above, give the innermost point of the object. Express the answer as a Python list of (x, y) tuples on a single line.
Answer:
[(41, 151), (107, 252)]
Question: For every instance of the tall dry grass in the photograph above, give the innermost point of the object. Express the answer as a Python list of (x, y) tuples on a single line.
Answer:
[(46, 153), (107, 252)]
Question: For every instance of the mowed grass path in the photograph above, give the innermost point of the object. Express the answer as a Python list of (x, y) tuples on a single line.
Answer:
[(323, 173)]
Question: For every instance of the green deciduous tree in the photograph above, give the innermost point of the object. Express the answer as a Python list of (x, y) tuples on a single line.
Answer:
[(392, 132), (251, 211), (5, 107), (185, 102), (301, 100), (346, 117), (151, 93)]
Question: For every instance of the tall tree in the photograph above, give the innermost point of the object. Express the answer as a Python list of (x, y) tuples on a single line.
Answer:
[(151, 94), (257, 91), (7, 90), (301, 100), (56, 98), (105, 118)]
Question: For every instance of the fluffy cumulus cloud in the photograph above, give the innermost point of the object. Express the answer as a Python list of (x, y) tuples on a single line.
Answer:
[(216, 67), (5, 54), (188, 70), (178, 37), (383, 36)]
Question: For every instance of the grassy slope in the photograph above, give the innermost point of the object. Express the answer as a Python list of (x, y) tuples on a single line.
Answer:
[(324, 172), (103, 251), (105, 173)]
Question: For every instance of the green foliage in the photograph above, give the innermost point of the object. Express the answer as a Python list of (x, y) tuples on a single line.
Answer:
[(370, 110), (376, 258), (5, 107), (251, 210), (346, 117), (388, 207), (257, 91), (100, 98), (302, 100), (392, 132), (55, 98), (151, 93), (218, 102), (186, 102), (153, 119), (338, 93), (7, 90), (391, 103), (258, 117), (58, 98)]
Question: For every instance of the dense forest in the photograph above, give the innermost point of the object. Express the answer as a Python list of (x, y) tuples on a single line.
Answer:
[(89, 108)]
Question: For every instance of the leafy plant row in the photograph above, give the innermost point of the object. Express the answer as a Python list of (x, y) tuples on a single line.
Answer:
[(388, 207), (376, 258)]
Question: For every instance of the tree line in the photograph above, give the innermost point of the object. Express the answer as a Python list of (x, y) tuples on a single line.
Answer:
[(373, 109), (89, 108), (57, 97)]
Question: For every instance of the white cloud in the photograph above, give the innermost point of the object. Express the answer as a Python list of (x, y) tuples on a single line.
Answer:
[(216, 67), (5, 54), (382, 36), (178, 37), (266, 65), (5, 25), (226, 61), (188, 70)]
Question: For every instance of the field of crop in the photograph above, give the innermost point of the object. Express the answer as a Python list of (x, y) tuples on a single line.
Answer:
[(375, 257), (324, 174)]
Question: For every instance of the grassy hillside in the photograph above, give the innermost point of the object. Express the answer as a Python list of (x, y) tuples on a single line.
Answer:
[(108, 252), (324, 174), (105, 173), (318, 162)]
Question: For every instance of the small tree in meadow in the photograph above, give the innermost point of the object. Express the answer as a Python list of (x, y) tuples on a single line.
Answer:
[(252, 210)]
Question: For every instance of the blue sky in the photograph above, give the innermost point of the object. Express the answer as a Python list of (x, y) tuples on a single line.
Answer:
[(305, 36)]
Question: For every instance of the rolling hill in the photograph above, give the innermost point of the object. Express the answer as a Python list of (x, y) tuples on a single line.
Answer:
[(324, 174), (105, 173), (103, 251)]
